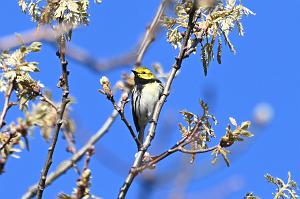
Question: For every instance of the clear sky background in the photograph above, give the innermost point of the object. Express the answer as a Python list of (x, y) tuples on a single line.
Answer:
[(264, 70)]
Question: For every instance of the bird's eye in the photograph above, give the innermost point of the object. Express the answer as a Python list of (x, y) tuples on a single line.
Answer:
[(143, 72)]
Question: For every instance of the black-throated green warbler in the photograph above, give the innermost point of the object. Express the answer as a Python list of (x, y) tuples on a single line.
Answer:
[(145, 94)]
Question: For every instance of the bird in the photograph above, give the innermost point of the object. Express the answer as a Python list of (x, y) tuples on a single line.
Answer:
[(145, 94)]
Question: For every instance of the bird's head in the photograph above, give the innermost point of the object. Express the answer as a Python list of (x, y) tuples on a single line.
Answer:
[(143, 73)]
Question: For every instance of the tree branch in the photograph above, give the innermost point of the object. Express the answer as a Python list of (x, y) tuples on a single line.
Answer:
[(120, 110), (96, 64), (151, 133), (63, 83), (149, 36)]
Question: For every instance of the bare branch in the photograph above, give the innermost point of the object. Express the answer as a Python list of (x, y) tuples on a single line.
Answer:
[(150, 32), (100, 64), (120, 110)]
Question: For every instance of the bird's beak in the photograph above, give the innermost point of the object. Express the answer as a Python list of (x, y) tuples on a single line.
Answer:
[(134, 72)]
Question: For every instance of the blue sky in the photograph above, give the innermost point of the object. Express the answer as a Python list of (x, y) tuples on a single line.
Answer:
[(264, 70)]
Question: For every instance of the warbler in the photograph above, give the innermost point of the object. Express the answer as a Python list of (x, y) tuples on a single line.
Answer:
[(145, 94)]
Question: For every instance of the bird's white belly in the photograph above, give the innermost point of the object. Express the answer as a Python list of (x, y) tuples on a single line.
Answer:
[(148, 100)]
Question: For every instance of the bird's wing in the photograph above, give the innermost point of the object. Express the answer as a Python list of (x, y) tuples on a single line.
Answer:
[(161, 87), (134, 99)]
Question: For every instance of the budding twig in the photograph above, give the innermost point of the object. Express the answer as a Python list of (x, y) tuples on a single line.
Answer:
[(108, 92)]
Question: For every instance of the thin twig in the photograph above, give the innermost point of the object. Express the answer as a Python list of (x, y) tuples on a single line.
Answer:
[(68, 164), (151, 133), (150, 32), (120, 110), (7, 103), (96, 64), (71, 146), (63, 83)]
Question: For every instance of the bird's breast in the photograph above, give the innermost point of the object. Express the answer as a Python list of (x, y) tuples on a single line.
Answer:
[(149, 96)]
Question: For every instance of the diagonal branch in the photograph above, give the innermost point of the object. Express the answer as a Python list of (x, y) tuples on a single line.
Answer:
[(151, 133), (149, 36), (120, 110)]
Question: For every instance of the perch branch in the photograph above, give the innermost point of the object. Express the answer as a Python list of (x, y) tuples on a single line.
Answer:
[(158, 107), (120, 110)]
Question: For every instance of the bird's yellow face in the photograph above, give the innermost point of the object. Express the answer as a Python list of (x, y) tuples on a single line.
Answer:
[(143, 73)]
